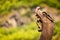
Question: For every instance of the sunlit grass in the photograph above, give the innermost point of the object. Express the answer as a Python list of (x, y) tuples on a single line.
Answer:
[(26, 32)]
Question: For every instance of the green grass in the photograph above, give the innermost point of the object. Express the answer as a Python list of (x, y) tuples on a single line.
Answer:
[(26, 32)]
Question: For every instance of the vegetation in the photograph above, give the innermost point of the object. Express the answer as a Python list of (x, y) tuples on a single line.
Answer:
[(23, 33), (26, 32), (7, 5), (30, 31)]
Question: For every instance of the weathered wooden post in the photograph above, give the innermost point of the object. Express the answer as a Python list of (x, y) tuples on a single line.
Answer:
[(47, 24)]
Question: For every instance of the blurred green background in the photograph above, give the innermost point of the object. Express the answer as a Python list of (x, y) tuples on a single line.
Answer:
[(29, 30)]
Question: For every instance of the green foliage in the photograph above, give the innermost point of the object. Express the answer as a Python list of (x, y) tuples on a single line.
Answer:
[(57, 27), (54, 3), (27, 32), (7, 5)]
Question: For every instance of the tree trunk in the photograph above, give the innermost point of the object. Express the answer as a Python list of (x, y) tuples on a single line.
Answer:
[(47, 31), (47, 24)]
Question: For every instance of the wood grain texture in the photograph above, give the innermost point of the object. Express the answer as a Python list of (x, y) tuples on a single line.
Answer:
[(47, 25)]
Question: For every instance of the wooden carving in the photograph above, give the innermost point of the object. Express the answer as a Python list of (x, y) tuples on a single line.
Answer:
[(47, 24)]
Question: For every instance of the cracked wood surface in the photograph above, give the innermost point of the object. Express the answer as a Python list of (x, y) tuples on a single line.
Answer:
[(47, 25)]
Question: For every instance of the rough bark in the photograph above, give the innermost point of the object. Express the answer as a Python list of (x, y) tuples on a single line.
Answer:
[(47, 25)]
